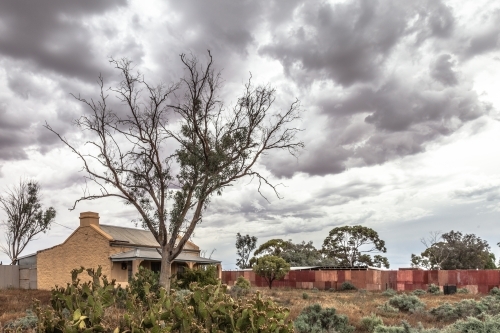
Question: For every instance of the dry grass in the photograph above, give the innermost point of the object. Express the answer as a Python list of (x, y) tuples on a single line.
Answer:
[(14, 302), (357, 305)]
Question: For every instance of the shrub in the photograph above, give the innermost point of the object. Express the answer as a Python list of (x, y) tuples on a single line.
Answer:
[(471, 324), (495, 291), (405, 328), (347, 285), (462, 290), (315, 319), (28, 322), (433, 289), (203, 276), (389, 292), (242, 283), (332, 290), (314, 290), (407, 302), (305, 295), (419, 292), (487, 305), (386, 307), (237, 292), (370, 322)]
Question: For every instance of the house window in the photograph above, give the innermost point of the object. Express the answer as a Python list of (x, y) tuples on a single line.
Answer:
[(156, 266)]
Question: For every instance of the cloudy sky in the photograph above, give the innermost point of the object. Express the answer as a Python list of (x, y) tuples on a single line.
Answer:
[(400, 105)]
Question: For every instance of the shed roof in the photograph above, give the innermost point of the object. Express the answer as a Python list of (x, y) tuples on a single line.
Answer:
[(152, 254)]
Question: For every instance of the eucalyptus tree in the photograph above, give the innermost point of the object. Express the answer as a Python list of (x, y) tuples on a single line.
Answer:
[(26, 217), (244, 247), (142, 159)]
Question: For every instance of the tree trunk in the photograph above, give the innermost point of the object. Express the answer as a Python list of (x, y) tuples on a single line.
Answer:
[(166, 269)]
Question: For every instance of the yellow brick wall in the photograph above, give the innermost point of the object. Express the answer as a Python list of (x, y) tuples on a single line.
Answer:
[(85, 247)]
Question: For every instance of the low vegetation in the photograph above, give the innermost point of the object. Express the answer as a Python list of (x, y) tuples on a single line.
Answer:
[(141, 307)]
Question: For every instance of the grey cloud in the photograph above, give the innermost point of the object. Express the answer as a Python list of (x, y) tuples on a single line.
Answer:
[(347, 42), (488, 193), (485, 39), (52, 36), (442, 70)]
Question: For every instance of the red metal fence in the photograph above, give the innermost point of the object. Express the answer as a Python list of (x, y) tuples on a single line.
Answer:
[(475, 281)]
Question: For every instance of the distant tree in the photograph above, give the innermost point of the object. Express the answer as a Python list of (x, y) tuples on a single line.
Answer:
[(25, 217), (244, 247), (271, 268), (135, 155), (300, 254), (351, 245), (453, 250)]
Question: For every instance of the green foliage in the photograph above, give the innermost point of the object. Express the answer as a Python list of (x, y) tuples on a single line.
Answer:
[(84, 307), (389, 292), (386, 307), (305, 296), (332, 290), (25, 217), (203, 276), (369, 323), (462, 291), (419, 292), (85, 304), (488, 305), (433, 289), (453, 250), (241, 288), (140, 279), (490, 324), (244, 247), (314, 319), (495, 291), (314, 290), (271, 268), (350, 245), (28, 322), (407, 303), (347, 285)]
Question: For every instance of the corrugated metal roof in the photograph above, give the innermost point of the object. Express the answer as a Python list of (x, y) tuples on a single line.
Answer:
[(131, 236), (152, 254)]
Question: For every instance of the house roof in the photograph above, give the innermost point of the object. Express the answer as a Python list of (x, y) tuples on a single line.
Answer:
[(137, 237), (152, 254)]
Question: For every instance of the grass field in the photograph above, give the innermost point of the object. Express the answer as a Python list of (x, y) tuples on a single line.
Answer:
[(354, 304)]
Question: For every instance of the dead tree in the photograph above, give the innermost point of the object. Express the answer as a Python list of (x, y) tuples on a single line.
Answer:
[(210, 147)]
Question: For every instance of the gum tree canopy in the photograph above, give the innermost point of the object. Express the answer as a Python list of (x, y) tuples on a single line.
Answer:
[(137, 156)]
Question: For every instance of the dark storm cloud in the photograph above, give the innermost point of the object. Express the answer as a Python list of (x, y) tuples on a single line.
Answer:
[(442, 70), (346, 42), (13, 138), (380, 113), (52, 35)]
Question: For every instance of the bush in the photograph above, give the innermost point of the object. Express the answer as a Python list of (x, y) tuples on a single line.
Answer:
[(369, 323), (487, 305), (237, 292), (347, 285), (203, 276), (305, 295), (462, 291), (405, 328), (242, 283), (433, 289), (314, 290), (332, 290), (389, 292), (386, 307), (315, 319), (86, 308), (407, 302), (473, 325), (419, 292), (495, 291), (28, 322)]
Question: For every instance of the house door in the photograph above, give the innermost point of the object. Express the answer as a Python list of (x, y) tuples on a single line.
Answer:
[(156, 266)]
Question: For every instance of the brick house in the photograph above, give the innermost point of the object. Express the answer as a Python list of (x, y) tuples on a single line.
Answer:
[(118, 250)]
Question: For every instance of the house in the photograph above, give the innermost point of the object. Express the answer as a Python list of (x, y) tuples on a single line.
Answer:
[(120, 251)]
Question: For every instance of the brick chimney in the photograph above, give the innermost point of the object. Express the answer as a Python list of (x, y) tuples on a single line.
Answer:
[(88, 218)]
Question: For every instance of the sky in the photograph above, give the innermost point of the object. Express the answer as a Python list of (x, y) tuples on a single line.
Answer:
[(399, 99)]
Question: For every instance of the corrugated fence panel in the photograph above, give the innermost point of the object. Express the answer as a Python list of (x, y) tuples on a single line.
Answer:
[(442, 277), (452, 278), (9, 276), (493, 276), (432, 277)]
